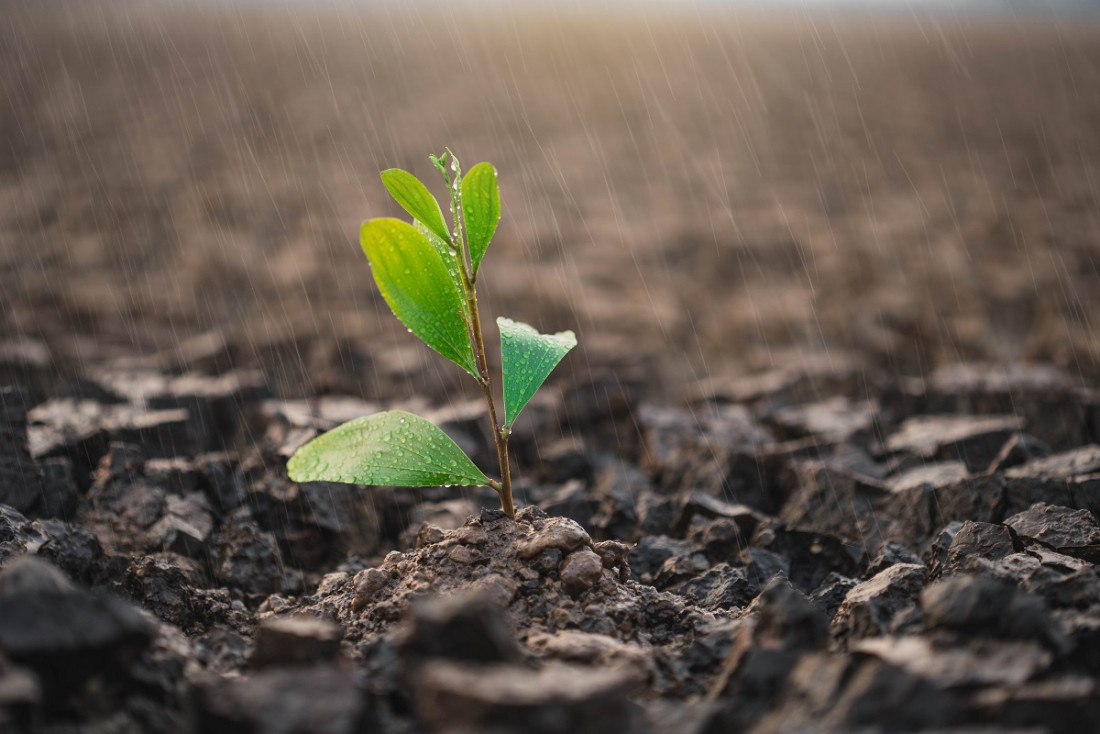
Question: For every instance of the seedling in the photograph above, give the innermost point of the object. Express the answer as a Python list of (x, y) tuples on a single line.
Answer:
[(428, 275)]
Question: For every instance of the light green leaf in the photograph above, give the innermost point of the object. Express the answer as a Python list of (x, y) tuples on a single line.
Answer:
[(419, 288), (390, 449), (481, 209), (449, 260), (528, 358), (414, 197)]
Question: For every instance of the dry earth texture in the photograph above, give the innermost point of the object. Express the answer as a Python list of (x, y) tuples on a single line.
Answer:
[(697, 194), (892, 526)]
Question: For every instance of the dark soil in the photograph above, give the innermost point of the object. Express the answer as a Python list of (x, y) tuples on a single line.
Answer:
[(827, 458), (828, 550), (695, 193)]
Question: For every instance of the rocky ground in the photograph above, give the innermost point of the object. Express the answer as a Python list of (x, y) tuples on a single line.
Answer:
[(823, 550), (827, 457)]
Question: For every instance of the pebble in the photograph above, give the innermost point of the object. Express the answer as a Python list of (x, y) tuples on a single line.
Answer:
[(580, 570), (557, 533)]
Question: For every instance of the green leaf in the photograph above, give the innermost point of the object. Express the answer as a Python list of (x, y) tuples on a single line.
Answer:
[(414, 197), (481, 209), (390, 449), (417, 285), (528, 358), (449, 260)]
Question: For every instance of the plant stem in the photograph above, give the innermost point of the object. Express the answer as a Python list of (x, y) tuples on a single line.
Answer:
[(462, 253), (500, 434)]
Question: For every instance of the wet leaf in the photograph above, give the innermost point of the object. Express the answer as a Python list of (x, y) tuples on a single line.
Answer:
[(419, 288), (414, 197), (449, 260), (390, 449), (481, 209), (528, 358)]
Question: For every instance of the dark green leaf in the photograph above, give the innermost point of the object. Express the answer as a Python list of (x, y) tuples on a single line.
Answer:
[(528, 358), (481, 209), (414, 197), (390, 449), (418, 286)]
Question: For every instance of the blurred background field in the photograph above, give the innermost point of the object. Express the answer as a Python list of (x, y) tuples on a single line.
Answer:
[(697, 191)]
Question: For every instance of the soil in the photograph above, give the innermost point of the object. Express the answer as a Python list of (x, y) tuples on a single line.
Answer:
[(827, 458), (823, 550)]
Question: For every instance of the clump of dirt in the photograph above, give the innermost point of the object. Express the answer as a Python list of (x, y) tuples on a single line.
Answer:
[(565, 597)]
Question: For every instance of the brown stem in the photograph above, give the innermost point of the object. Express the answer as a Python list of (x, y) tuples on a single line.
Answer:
[(500, 433), (500, 436)]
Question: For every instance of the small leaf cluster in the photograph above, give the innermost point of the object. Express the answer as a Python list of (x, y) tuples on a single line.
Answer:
[(427, 274)]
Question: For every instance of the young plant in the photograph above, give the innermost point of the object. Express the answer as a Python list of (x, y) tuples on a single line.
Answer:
[(428, 273)]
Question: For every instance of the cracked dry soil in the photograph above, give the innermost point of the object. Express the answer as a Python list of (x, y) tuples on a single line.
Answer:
[(823, 550)]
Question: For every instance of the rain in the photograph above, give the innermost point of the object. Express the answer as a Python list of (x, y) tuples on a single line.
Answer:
[(833, 270)]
